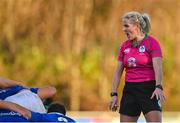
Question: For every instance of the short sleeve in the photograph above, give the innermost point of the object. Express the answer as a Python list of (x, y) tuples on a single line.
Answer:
[(155, 49), (121, 53), (11, 91), (34, 90)]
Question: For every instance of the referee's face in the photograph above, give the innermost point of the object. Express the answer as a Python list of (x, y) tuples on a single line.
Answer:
[(130, 30)]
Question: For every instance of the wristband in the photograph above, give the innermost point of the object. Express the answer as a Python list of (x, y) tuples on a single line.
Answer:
[(113, 94), (159, 86)]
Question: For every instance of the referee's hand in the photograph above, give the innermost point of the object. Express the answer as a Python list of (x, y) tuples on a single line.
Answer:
[(113, 106), (158, 93)]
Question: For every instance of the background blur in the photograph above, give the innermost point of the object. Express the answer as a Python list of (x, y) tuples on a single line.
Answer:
[(73, 44)]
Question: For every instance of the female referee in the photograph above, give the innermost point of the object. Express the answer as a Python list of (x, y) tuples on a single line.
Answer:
[(141, 57)]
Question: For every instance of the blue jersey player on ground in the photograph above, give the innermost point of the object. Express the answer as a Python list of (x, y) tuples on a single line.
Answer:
[(12, 112), (56, 113)]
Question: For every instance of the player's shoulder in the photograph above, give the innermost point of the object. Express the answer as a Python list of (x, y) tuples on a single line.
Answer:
[(61, 118), (125, 43), (152, 39)]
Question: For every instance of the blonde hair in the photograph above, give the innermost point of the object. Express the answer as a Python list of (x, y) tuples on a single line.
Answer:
[(136, 18)]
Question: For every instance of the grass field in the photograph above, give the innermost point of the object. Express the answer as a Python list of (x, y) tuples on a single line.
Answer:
[(113, 117)]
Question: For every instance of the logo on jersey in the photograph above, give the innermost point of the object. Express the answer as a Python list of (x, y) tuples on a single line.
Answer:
[(2, 91), (62, 119), (142, 49), (127, 50), (131, 62), (9, 114)]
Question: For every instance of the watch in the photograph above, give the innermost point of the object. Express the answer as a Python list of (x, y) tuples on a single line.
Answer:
[(114, 94), (159, 86)]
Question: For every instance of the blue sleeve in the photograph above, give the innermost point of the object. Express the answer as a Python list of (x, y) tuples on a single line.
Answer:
[(10, 91), (10, 116), (13, 119), (34, 90)]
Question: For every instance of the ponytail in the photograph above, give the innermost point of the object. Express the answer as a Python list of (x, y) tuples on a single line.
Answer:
[(147, 26)]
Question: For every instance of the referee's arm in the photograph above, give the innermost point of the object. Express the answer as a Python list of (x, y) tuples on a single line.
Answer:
[(117, 76)]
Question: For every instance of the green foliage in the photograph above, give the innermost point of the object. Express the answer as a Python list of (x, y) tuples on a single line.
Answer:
[(90, 66)]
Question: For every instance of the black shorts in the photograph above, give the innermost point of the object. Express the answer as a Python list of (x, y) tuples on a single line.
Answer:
[(136, 98)]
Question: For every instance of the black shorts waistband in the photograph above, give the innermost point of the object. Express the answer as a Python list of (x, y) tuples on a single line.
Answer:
[(152, 82)]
